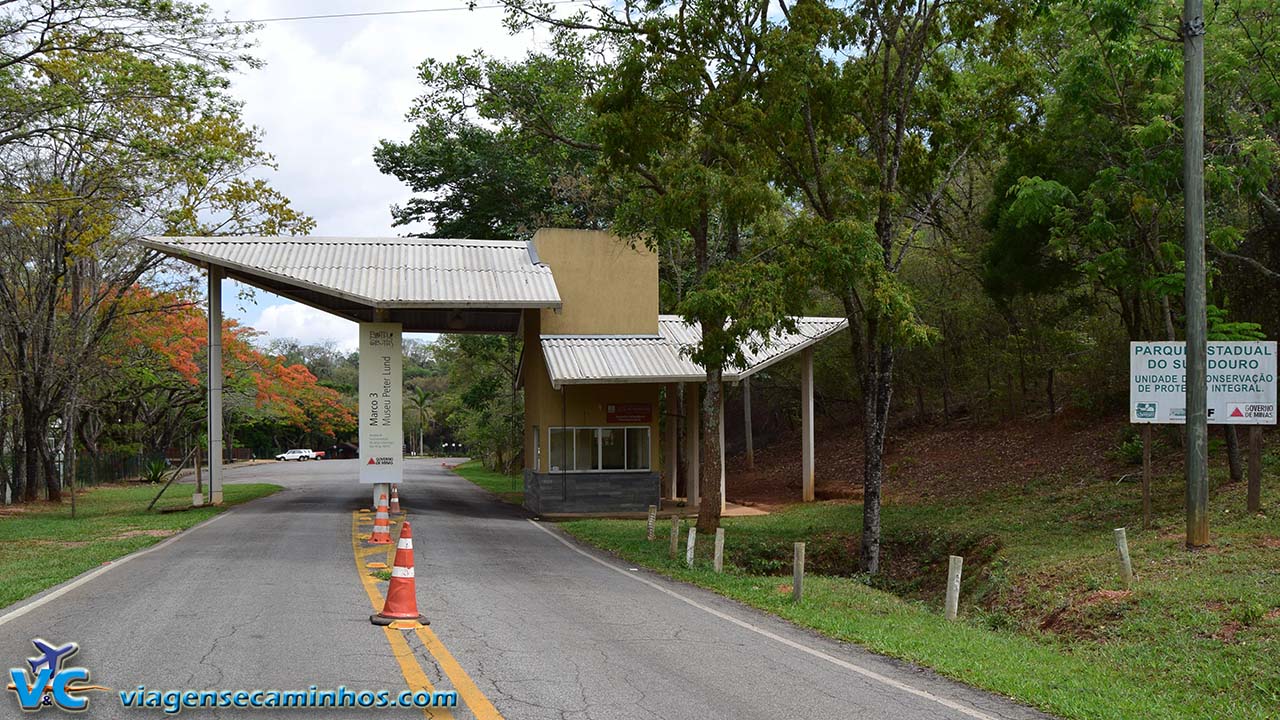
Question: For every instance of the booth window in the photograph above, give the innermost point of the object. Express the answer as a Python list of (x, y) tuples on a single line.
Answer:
[(595, 449)]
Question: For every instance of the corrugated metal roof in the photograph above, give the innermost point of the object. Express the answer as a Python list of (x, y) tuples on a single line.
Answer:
[(608, 359), (384, 272)]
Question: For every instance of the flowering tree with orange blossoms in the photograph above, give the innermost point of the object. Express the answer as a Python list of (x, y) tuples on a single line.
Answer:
[(155, 371)]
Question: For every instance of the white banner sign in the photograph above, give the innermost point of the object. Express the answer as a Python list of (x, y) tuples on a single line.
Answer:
[(1241, 383), (381, 380)]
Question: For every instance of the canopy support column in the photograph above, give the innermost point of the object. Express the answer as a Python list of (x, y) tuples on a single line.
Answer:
[(746, 422), (806, 424), (671, 447), (721, 409), (215, 385), (692, 442)]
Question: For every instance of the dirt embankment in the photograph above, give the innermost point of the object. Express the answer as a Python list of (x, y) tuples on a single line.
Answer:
[(933, 463)]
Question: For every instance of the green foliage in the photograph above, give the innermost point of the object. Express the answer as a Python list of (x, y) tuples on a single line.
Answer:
[(480, 404), (117, 123), (1089, 199), (1129, 451), (155, 470), (478, 181)]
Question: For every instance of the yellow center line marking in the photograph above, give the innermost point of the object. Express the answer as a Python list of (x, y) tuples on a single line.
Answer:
[(404, 655), (462, 682)]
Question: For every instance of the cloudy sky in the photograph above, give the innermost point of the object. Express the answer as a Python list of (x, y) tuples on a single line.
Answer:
[(331, 89)]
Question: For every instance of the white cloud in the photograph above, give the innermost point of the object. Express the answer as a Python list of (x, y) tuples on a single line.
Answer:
[(307, 325), (330, 90)]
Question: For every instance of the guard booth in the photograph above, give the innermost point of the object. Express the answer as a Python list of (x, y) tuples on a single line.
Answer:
[(598, 358), (600, 371)]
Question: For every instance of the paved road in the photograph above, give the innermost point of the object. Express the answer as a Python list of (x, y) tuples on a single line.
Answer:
[(525, 623)]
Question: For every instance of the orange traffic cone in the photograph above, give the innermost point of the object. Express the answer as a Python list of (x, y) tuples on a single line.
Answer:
[(381, 524), (402, 593), (395, 498)]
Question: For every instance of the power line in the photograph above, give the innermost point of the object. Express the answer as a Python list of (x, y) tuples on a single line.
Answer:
[(381, 13)]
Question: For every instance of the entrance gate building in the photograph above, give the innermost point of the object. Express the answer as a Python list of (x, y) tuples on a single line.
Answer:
[(598, 358)]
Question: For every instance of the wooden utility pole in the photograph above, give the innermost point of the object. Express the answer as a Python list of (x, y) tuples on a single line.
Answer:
[(1193, 250)]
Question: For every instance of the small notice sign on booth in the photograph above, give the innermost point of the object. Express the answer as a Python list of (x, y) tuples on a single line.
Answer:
[(629, 413)]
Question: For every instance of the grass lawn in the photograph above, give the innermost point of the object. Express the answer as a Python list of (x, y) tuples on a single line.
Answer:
[(509, 488), (1044, 619), (41, 546)]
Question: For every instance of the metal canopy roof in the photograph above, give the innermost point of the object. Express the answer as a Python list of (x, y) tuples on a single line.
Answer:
[(428, 285), (610, 359)]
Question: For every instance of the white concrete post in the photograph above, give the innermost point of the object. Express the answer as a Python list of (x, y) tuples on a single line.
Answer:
[(673, 439), (719, 556), (197, 497), (955, 565), (689, 544), (1126, 566), (653, 519), (723, 500), (693, 441), (797, 573), (215, 385), (746, 423), (806, 424)]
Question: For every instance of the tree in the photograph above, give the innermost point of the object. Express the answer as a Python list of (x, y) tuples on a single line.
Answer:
[(650, 119), (420, 403), (114, 123), (481, 403), (485, 182), (872, 110)]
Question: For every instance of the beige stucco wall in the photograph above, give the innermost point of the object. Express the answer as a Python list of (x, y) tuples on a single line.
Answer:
[(607, 286)]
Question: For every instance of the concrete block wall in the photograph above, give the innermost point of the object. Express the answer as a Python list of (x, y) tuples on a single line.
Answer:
[(590, 492)]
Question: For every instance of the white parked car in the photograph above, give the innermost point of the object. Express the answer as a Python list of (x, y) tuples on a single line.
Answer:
[(296, 454)]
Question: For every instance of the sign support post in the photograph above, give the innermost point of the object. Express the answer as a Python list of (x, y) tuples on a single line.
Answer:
[(1146, 476)]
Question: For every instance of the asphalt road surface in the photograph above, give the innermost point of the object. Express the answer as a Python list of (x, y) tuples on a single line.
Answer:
[(525, 623)]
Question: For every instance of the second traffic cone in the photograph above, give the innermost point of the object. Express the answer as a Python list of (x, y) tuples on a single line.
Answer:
[(395, 498), (402, 593), (381, 524)]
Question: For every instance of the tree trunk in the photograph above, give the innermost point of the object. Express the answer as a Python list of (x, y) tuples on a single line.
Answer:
[(879, 388), (19, 463), (1053, 404), (6, 487), (709, 477), (1233, 453), (31, 441), (946, 386)]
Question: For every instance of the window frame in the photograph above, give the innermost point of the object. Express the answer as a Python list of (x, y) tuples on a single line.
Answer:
[(571, 431)]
